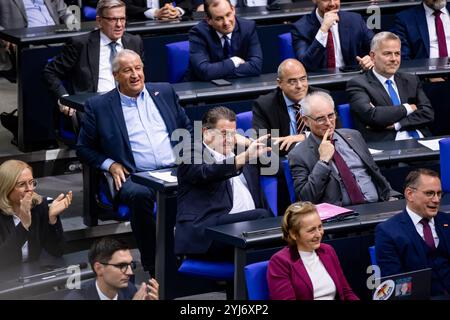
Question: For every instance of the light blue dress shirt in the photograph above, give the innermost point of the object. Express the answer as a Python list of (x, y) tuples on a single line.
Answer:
[(37, 13), (147, 132), (291, 112)]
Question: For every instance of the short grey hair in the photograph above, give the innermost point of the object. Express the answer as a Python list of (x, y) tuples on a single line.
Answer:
[(307, 104), (119, 55), (108, 4), (380, 37)]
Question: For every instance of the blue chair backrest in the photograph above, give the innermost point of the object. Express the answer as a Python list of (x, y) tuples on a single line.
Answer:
[(444, 147), (89, 13), (285, 46), (244, 120), (269, 185), (289, 180), (256, 280), (216, 270), (345, 116), (373, 256), (177, 60)]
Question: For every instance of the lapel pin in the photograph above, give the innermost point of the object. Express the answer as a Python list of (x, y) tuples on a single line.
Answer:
[(445, 225), (156, 93)]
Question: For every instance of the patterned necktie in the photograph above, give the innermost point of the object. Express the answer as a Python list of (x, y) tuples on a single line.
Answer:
[(396, 102), (331, 59), (226, 47), (112, 45), (353, 190), (300, 124), (427, 234), (442, 43)]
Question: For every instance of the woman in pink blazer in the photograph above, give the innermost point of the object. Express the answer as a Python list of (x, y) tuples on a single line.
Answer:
[(306, 269)]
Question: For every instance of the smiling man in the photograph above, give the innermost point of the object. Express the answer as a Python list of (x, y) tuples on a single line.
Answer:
[(419, 237), (223, 46), (387, 104), (334, 165)]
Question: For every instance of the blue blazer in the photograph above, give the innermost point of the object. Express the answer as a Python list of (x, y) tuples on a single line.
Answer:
[(88, 291), (399, 248), (354, 36), (204, 194), (104, 133), (206, 57), (411, 26)]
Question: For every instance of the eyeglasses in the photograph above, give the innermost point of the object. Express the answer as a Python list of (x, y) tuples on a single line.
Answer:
[(115, 20), (293, 82), (430, 194), (323, 120), (123, 267), (24, 184)]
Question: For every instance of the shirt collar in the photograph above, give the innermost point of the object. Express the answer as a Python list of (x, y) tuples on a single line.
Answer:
[(221, 35), (318, 16), (102, 296), (130, 101), (381, 78), (288, 101), (416, 218), (430, 12), (216, 155), (104, 40)]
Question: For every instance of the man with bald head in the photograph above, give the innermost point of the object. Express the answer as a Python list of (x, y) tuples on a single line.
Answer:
[(280, 108), (129, 130), (334, 165)]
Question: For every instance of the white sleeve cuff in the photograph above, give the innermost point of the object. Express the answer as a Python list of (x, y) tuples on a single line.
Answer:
[(180, 10), (322, 38), (236, 61), (150, 13), (397, 126), (408, 108), (106, 164)]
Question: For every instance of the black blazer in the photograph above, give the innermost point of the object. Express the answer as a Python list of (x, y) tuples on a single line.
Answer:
[(88, 291), (270, 112), (136, 8), (204, 194), (79, 61), (41, 235), (372, 121)]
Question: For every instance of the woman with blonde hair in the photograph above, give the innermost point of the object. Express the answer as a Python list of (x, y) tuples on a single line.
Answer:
[(306, 269), (27, 223)]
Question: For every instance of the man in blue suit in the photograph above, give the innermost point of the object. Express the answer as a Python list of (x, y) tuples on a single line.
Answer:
[(419, 30), (127, 130), (217, 187), (419, 237), (329, 38), (223, 46)]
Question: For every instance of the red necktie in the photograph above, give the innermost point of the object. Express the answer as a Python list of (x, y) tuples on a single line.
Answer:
[(442, 43), (353, 190), (298, 118), (331, 60), (427, 234)]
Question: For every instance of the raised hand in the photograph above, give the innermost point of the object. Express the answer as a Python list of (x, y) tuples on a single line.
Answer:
[(61, 203), (326, 148)]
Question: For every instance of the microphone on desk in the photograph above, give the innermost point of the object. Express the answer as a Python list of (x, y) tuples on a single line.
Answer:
[(53, 273)]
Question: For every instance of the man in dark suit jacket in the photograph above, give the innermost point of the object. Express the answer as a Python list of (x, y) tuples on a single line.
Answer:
[(118, 137), (85, 60), (317, 172), (378, 113), (217, 187), (416, 28), (419, 237), (138, 10), (223, 46), (113, 265), (326, 28)]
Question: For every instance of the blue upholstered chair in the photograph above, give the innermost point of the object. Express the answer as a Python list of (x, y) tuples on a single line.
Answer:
[(345, 116), (177, 60), (289, 180), (244, 120), (256, 280), (89, 13), (285, 46), (444, 147), (373, 256)]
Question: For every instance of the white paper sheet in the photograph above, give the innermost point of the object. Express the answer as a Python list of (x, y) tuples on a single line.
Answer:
[(430, 144), (374, 151), (165, 176)]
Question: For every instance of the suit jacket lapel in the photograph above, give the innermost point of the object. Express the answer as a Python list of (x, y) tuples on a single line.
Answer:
[(421, 22), (52, 11), (94, 56), (20, 5), (161, 105), (410, 230), (344, 39), (442, 229), (382, 91), (300, 270), (329, 266), (314, 149), (117, 112), (283, 116), (402, 88)]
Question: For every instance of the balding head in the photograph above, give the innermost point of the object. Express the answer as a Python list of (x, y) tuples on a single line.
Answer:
[(292, 79)]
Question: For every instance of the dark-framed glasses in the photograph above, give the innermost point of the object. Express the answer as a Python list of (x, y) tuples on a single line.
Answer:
[(115, 20), (293, 82), (31, 184), (430, 194), (123, 267), (323, 120)]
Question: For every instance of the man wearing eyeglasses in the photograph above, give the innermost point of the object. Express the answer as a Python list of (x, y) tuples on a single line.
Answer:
[(331, 165), (86, 60), (418, 237), (113, 265)]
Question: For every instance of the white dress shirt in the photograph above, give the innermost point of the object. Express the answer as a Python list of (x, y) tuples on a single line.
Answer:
[(25, 245), (102, 296), (322, 37), (242, 198), (236, 60), (401, 134), (419, 227), (323, 286), (434, 48), (105, 77)]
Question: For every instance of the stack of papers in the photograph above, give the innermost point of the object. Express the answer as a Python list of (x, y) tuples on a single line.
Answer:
[(328, 211), (163, 175), (430, 144)]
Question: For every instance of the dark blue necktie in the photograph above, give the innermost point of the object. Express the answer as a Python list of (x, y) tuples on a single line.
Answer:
[(226, 47), (396, 102)]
